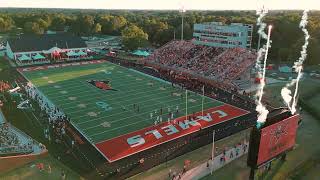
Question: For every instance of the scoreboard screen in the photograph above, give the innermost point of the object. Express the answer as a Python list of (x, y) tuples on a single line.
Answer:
[(277, 138)]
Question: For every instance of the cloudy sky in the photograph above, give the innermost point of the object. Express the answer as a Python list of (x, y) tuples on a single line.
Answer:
[(165, 4)]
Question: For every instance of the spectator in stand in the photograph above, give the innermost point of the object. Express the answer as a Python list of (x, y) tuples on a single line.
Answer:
[(218, 63)]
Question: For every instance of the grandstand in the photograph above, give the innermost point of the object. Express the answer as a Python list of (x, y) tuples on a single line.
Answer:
[(15, 142), (225, 65)]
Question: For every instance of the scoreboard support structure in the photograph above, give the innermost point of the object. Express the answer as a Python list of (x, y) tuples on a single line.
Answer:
[(272, 140)]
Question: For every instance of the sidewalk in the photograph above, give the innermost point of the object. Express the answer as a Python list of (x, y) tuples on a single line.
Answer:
[(219, 161)]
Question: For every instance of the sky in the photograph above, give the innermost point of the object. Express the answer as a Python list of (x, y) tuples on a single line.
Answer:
[(166, 4)]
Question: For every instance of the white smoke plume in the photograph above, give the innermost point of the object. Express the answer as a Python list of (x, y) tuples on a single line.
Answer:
[(260, 108), (289, 100), (261, 13)]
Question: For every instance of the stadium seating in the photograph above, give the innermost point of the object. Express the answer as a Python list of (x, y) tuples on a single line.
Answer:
[(218, 63), (11, 142)]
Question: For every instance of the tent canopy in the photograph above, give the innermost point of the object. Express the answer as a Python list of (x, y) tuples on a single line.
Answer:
[(38, 56), (52, 50), (24, 58), (81, 53), (72, 53), (141, 53)]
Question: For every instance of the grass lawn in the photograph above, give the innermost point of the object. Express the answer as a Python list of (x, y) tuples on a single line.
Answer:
[(30, 171)]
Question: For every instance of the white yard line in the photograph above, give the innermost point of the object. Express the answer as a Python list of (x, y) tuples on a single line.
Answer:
[(75, 89), (125, 125), (165, 102), (126, 99), (103, 93)]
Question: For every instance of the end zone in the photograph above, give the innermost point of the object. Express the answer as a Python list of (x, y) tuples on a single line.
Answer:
[(132, 143)]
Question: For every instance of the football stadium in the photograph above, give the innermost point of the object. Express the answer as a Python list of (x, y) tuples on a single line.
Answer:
[(120, 113), (128, 116)]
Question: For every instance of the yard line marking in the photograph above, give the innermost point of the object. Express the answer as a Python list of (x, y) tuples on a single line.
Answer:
[(102, 93), (125, 83), (94, 119), (102, 75), (147, 119), (166, 102), (151, 99), (137, 97), (124, 126)]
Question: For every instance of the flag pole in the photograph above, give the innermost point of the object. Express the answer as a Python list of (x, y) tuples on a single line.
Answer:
[(212, 152)]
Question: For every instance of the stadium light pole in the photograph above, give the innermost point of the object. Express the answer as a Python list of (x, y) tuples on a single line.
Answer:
[(182, 10)]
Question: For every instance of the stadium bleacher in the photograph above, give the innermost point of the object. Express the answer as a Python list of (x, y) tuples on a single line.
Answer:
[(14, 141), (218, 63)]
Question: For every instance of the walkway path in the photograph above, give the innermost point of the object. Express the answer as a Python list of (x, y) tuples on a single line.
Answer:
[(219, 161)]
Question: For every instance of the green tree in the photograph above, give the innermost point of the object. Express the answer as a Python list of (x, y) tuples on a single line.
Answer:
[(83, 25), (42, 23), (97, 28), (58, 23), (133, 37), (112, 24), (6, 23), (33, 28)]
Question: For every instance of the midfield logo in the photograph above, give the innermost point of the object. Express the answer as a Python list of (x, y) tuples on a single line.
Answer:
[(104, 85)]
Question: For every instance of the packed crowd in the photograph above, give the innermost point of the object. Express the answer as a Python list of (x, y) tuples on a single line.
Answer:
[(56, 118), (10, 142), (217, 63), (234, 62), (7, 137)]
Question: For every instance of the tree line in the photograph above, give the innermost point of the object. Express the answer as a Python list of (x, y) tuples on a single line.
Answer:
[(155, 28)]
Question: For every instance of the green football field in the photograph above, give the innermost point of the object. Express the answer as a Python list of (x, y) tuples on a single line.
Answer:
[(104, 114)]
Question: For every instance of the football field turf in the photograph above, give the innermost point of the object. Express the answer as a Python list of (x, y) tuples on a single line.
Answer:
[(104, 114)]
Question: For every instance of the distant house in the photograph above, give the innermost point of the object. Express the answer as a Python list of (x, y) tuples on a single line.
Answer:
[(42, 48)]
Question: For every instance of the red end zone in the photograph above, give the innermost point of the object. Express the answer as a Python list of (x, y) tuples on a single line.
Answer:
[(128, 144)]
